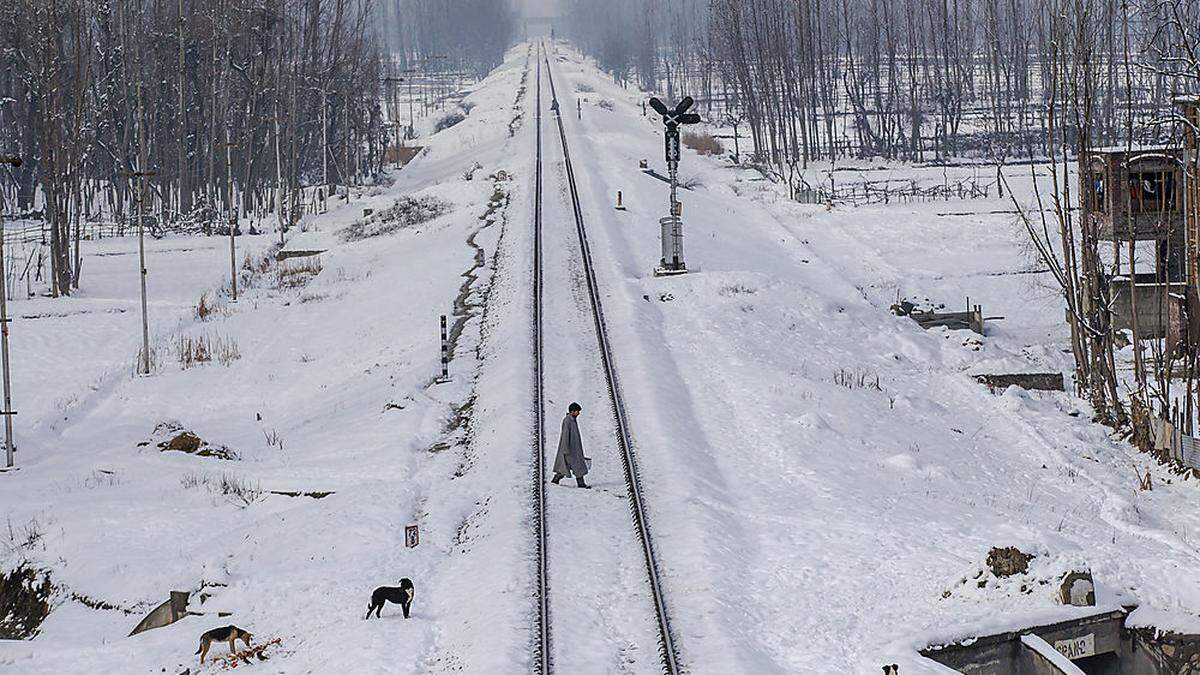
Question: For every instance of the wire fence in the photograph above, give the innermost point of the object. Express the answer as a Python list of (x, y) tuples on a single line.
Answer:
[(899, 191)]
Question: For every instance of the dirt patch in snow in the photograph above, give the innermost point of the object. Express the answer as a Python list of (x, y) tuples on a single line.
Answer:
[(1007, 561), (173, 437)]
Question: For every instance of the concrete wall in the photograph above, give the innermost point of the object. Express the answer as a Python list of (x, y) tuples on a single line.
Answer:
[(165, 614), (1003, 654)]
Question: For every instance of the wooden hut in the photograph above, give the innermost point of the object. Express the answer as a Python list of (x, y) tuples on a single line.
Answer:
[(1136, 195)]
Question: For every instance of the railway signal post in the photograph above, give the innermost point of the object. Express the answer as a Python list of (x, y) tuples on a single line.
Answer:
[(671, 226)]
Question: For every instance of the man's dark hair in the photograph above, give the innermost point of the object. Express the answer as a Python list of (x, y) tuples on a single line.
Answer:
[(574, 407)]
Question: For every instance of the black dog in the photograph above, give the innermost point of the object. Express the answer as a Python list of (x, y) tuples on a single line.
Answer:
[(402, 595)]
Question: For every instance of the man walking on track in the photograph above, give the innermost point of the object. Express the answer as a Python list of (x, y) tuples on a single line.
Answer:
[(570, 457)]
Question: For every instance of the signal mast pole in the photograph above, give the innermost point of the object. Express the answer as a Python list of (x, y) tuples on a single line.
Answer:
[(671, 226)]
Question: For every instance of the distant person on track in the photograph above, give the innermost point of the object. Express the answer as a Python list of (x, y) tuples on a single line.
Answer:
[(570, 459)]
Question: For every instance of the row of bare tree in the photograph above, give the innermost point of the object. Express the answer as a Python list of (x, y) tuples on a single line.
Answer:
[(908, 79), (938, 80), (226, 103), (1157, 42), (443, 35), (225, 106)]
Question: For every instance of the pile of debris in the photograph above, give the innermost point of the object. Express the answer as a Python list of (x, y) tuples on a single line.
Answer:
[(171, 436), (1008, 571), (258, 651), (972, 319)]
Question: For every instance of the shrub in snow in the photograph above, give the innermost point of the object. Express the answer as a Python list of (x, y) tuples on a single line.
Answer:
[(137, 361), (239, 492), (254, 270), (702, 143), (201, 349), (729, 290), (24, 602), (204, 218), (858, 378), (605, 104), (448, 121), (207, 307), (405, 212), (203, 309), (259, 266), (297, 272)]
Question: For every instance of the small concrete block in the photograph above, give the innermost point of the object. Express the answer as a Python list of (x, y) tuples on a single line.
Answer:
[(1078, 589)]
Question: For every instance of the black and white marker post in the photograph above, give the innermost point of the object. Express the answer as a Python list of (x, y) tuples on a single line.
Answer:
[(671, 226), (445, 376)]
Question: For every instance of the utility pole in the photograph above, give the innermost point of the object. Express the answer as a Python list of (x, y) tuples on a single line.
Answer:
[(278, 178), (324, 142), (392, 82), (233, 213), (671, 226), (8, 411), (438, 102), (142, 174), (411, 76)]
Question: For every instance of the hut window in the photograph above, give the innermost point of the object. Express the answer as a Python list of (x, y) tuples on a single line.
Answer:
[(1152, 191)]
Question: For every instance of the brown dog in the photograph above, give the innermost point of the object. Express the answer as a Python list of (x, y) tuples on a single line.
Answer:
[(230, 634)]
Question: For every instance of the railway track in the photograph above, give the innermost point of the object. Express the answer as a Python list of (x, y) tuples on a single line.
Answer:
[(542, 657), (666, 646)]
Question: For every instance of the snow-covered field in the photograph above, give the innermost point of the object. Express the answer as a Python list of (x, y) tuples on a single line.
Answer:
[(820, 475), (332, 392)]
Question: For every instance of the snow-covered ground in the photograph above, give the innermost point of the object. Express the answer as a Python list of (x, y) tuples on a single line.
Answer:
[(332, 392), (821, 476), (820, 472)]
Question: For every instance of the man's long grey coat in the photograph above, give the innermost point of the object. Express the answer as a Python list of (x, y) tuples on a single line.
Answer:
[(570, 449)]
